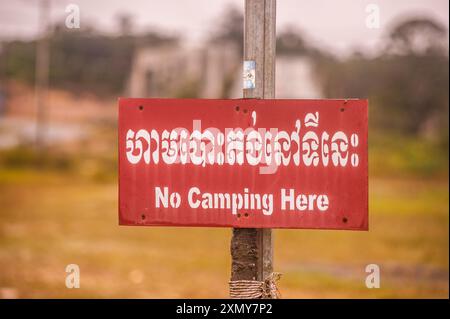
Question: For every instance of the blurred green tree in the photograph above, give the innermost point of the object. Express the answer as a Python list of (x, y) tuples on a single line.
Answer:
[(407, 83), (80, 59), (230, 28)]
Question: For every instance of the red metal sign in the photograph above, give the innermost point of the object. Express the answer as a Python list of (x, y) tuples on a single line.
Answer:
[(243, 163)]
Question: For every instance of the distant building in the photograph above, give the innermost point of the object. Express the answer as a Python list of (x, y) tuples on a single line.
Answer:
[(295, 78), (213, 71), (174, 71)]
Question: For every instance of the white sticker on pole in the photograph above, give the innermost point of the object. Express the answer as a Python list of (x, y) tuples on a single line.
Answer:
[(249, 74)]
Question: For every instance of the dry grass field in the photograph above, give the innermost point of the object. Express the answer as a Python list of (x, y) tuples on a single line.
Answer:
[(50, 219)]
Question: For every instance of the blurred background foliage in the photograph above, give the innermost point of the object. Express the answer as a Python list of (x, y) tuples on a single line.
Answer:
[(405, 82), (81, 59)]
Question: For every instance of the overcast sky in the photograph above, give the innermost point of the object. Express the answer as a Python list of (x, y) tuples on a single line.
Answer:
[(336, 25)]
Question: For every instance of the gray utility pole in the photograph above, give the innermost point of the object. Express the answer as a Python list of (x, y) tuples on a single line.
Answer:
[(42, 74), (251, 248)]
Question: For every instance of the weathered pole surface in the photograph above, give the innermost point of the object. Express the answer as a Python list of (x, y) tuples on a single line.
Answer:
[(251, 248)]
